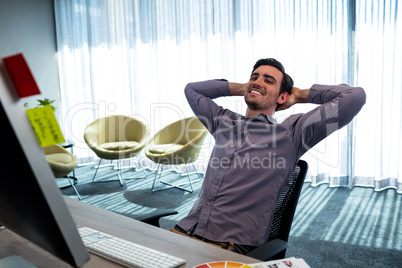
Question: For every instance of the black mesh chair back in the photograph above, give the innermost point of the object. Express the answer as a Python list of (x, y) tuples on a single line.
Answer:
[(286, 204), (275, 247)]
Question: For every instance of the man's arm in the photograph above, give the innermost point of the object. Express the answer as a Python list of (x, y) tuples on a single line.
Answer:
[(237, 89), (297, 95), (200, 97), (338, 106)]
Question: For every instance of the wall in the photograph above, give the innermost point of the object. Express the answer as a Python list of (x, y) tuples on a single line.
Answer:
[(27, 26)]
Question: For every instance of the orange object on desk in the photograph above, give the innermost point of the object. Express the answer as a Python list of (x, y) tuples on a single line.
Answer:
[(223, 264)]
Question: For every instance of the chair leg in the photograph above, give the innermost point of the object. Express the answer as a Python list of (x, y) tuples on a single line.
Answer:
[(104, 165), (199, 176), (119, 171), (143, 169), (179, 186), (155, 179), (75, 189), (189, 179), (96, 171)]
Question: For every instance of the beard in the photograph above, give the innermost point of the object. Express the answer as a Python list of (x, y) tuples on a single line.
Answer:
[(258, 104), (252, 104)]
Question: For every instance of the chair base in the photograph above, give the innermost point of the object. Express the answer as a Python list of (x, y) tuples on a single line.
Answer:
[(171, 185), (119, 171)]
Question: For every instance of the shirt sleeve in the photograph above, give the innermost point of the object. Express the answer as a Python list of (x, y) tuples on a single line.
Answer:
[(200, 97), (338, 106)]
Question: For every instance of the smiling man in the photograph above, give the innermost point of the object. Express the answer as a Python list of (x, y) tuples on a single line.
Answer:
[(269, 86), (253, 155)]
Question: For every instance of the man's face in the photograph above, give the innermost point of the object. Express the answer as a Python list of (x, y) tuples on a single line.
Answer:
[(263, 89)]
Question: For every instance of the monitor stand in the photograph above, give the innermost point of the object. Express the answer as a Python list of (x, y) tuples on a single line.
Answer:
[(15, 261)]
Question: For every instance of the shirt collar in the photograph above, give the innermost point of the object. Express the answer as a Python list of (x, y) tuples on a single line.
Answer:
[(264, 118), (271, 119)]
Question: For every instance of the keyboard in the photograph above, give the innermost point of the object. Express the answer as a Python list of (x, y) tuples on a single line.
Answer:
[(124, 252)]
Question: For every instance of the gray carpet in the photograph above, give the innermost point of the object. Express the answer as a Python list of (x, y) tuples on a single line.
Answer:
[(338, 227), (333, 227), (135, 197)]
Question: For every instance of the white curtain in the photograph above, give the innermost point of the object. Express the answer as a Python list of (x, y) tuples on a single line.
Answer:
[(378, 68), (135, 58)]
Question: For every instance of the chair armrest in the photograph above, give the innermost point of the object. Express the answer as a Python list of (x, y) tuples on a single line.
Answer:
[(266, 251), (153, 217)]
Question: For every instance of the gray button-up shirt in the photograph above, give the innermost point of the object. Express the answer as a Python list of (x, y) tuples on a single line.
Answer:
[(253, 157)]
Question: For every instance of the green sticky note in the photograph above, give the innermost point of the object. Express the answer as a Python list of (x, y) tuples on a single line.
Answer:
[(45, 125)]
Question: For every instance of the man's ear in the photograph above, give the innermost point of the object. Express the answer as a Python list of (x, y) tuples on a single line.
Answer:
[(283, 97)]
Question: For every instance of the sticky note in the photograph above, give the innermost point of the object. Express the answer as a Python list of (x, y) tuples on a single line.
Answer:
[(45, 125), (21, 76)]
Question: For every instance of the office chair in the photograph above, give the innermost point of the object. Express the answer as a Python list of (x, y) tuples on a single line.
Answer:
[(154, 217), (176, 144), (62, 162), (116, 137), (285, 209)]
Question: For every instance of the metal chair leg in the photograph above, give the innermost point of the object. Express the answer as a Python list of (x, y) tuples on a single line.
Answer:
[(119, 171), (171, 185), (156, 175), (75, 189), (96, 171), (143, 169), (189, 179), (199, 176)]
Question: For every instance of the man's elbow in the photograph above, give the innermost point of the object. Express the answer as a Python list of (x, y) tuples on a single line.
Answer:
[(188, 88), (360, 96)]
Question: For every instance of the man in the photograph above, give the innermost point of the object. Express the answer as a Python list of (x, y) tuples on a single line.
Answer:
[(254, 155)]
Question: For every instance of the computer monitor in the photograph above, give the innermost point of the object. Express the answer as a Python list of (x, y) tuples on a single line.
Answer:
[(31, 204)]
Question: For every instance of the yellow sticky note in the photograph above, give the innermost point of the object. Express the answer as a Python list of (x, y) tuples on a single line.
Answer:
[(45, 125)]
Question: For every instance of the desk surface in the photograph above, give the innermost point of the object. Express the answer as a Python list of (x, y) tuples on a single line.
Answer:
[(194, 252)]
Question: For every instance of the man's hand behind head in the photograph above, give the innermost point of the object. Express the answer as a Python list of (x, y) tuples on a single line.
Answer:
[(297, 95)]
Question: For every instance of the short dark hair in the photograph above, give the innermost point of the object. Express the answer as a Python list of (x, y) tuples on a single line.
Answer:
[(287, 81)]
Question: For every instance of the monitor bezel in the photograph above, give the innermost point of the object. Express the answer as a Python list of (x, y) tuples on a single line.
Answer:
[(47, 221)]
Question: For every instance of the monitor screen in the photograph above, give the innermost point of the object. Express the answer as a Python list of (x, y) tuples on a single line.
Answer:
[(31, 204)]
